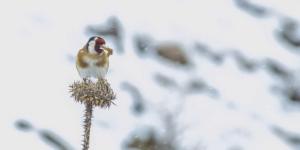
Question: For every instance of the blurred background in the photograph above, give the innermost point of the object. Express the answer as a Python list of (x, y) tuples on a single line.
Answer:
[(188, 74)]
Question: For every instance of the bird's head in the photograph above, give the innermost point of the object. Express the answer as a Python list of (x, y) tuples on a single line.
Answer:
[(96, 45)]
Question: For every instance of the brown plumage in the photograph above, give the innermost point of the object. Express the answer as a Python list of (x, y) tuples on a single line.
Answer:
[(92, 63)]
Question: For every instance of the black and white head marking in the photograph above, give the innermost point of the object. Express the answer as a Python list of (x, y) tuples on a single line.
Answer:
[(91, 44), (95, 44)]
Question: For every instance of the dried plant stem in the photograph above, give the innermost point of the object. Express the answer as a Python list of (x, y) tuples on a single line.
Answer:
[(87, 125), (91, 94)]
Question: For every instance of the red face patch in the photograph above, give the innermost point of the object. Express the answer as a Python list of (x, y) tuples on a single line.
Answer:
[(100, 41)]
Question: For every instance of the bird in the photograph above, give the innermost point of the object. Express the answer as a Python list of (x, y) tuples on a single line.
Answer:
[(92, 60)]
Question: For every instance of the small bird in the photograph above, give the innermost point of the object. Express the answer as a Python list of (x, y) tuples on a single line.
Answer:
[(93, 59)]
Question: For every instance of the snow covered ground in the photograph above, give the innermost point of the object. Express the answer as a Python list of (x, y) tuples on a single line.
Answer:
[(40, 38)]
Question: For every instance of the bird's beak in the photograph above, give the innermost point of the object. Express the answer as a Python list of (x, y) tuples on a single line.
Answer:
[(109, 50)]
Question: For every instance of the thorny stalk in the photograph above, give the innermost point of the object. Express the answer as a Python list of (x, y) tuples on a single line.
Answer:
[(87, 125), (92, 95)]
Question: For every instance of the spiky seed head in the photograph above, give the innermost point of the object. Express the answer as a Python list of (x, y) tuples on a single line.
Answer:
[(99, 93)]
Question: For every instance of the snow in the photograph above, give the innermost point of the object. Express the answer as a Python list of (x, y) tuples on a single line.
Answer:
[(37, 36)]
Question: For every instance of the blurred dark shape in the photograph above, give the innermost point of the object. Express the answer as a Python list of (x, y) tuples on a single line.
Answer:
[(138, 100), (112, 28), (277, 69), (291, 138), (141, 43), (172, 52), (289, 33), (165, 138), (217, 58), (23, 125), (202, 48), (165, 81), (53, 140), (47, 136), (245, 63), (253, 9), (198, 85), (149, 141), (171, 134), (293, 94)]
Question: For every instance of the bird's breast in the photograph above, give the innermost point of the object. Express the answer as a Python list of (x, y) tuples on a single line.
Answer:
[(86, 61), (92, 65), (90, 62), (92, 69)]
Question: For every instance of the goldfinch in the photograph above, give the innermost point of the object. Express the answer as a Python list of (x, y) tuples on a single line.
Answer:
[(93, 59)]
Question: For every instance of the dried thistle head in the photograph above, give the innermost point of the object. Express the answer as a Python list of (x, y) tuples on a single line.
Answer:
[(96, 93)]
